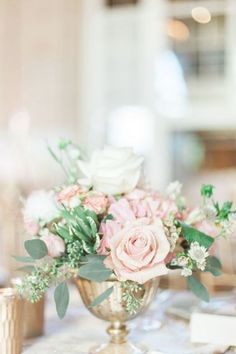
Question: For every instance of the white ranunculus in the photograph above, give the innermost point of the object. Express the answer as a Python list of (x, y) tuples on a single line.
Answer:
[(113, 170), (40, 206)]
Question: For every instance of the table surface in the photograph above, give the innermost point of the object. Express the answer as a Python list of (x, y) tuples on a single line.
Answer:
[(80, 330)]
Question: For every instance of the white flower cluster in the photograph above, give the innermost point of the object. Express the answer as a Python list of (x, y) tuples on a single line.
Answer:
[(198, 254)]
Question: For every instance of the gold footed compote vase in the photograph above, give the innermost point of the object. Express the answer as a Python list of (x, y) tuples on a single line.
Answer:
[(113, 310)]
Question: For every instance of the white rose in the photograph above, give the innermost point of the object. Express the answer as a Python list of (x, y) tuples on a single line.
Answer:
[(113, 170), (40, 206)]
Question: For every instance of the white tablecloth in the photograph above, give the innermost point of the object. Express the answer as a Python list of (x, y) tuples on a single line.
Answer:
[(80, 330)]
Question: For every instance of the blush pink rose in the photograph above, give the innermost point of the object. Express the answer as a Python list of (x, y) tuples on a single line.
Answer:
[(55, 245), (96, 202), (107, 229), (69, 196), (138, 251), (121, 211)]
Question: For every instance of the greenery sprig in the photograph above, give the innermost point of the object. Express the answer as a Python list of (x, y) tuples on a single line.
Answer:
[(131, 296)]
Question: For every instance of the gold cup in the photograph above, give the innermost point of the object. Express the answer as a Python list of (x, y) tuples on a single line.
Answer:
[(11, 309), (113, 310)]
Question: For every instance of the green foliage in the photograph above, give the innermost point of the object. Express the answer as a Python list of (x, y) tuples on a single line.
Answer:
[(224, 211), (24, 259), (36, 283), (80, 232), (198, 288), (95, 271), (193, 235), (213, 266), (74, 253), (131, 300), (61, 297), (36, 248), (27, 268), (99, 299), (66, 155), (108, 217), (207, 190)]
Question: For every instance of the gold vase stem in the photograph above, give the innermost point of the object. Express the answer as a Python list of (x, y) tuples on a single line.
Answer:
[(118, 332)]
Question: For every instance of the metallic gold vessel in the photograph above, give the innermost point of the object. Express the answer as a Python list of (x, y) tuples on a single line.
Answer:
[(113, 310), (11, 310)]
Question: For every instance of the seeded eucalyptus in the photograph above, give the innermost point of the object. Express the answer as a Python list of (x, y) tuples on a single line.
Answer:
[(132, 296)]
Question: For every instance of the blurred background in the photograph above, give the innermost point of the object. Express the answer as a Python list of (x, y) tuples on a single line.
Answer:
[(158, 75)]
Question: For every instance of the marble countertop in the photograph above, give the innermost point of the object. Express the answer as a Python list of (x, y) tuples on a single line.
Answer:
[(80, 330)]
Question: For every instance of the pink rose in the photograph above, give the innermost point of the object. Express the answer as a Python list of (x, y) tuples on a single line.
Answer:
[(121, 211), (108, 229), (96, 202), (69, 196), (55, 245), (138, 251), (32, 227)]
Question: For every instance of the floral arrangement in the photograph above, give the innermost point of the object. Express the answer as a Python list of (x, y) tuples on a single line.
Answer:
[(109, 224)]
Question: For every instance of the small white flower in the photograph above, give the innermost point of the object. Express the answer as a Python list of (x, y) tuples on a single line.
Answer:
[(198, 253), (201, 266), (174, 189), (40, 206), (186, 272)]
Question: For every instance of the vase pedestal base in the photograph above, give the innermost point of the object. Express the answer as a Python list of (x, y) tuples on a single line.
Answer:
[(124, 348)]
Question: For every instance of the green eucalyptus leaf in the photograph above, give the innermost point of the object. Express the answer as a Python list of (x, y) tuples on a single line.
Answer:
[(198, 288), (24, 259), (213, 266), (99, 299), (93, 258), (61, 297), (94, 271), (26, 268), (36, 248), (193, 235)]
